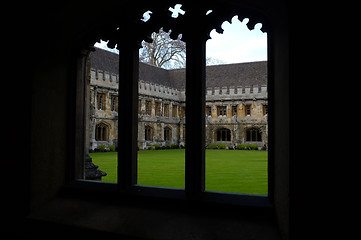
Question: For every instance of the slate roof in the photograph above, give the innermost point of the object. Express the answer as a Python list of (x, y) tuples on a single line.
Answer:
[(237, 74), (104, 60), (150, 73)]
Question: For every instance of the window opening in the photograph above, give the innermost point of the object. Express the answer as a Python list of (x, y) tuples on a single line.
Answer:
[(234, 104), (114, 103), (167, 134), (234, 110), (174, 110), (146, 16), (236, 81), (100, 101), (102, 117), (254, 135), (148, 107), (222, 111), (158, 109), (101, 132), (209, 111), (265, 109), (176, 10), (161, 124), (148, 134), (166, 110), (223, 134), (163, 51), (248, 109)]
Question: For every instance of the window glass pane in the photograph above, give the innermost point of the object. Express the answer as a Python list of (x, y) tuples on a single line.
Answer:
[(102, 117), (161, 115), (237, 127)]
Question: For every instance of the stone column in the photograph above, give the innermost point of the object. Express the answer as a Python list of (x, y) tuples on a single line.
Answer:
[(91, 171)]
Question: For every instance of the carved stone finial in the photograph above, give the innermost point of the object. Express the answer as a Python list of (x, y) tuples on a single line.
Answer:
[(91, 170)]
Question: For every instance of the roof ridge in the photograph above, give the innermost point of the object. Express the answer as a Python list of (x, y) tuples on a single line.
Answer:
[(233, 74)]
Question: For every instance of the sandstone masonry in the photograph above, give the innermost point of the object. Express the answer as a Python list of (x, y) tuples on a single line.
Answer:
[(236, 104)]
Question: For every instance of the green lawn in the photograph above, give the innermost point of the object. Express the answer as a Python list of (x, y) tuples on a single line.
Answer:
[(236, 171)]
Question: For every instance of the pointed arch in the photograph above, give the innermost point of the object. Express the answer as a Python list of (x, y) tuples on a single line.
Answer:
[(253, 135), (102, 131), (223, 134), (148, 133), (167, 134)]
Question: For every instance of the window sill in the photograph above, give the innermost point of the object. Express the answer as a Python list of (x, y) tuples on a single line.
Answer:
[(169, 196), (146, 220)]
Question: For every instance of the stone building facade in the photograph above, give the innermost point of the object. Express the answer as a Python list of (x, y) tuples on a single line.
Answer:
[(236, 103)]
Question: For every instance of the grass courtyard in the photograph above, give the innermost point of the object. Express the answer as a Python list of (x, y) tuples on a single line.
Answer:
[(235, 171)]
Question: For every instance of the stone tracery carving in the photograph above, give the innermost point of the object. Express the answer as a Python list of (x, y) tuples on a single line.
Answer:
[(131, 23)]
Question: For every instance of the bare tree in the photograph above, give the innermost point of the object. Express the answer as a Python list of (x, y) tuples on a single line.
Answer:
[(163, 51), (214, 61)]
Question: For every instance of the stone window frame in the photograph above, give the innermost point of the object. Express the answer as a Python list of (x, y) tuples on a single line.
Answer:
[(139, 106), (248, 110), (148, 133), (223, 134), (208, 111), (222, 111), (158, 108), (265, 109), (174, 111), (234, 110), (182, 111), (148, 107), (166, 110), (114, 103), (195, 116), (167, 133), (102, 132), (101, 101), (253, 135)]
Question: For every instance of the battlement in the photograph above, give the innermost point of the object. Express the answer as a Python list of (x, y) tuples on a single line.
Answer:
[(161, 91), (106, 79), (103, 78), (239, 92), (216, 93)]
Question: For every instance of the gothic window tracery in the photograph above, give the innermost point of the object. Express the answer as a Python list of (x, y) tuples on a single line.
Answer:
[(253, 135), (195, 36), (167, 134), (101, 132), (148, 134), (223, 134)]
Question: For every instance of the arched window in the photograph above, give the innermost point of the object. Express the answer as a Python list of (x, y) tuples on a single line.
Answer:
[(167, 134), (253, 135), (101, 132), (223, 134), (195, 79), (148, 133)]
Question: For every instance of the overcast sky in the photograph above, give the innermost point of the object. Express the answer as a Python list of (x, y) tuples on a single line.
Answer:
[(236, 44)]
